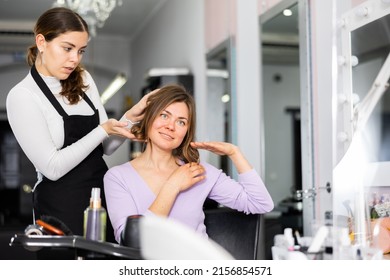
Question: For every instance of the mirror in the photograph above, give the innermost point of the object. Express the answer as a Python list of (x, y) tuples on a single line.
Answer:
[(370, 46), (219, 101), (363, 46), (281, 93), (280, 55), (361, 178)]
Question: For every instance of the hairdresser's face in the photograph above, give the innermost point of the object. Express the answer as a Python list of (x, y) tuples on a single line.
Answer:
[(170, 127), (59, 57)]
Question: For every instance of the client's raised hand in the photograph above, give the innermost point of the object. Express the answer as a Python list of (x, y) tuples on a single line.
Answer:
[(226, 149), (219, 148)]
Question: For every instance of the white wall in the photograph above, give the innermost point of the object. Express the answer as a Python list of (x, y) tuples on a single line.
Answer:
[(249, 100), (278, 132)]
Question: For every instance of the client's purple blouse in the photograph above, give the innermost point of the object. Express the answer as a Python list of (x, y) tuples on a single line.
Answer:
[(127, 194)]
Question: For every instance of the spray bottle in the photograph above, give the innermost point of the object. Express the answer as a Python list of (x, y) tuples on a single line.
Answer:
[(95, 218)]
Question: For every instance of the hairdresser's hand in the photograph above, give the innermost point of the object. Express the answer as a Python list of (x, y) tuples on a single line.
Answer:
[(226, 149), (219, 148), (185, 176), (114, 127), (136, 113)]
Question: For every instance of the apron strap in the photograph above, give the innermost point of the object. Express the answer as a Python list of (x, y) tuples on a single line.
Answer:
[(45, 89)]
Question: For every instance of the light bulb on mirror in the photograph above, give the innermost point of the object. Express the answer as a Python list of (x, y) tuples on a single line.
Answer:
[(355, 99), (362, 12), (341, 60), (354, 60), (342, 98)]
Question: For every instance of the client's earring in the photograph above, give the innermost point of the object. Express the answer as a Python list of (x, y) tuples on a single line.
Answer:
[(144, 145)]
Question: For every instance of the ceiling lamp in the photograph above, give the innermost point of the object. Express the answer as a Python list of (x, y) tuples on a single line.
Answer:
[(287, 12), (113, 87), (94, 12), (156, 72)]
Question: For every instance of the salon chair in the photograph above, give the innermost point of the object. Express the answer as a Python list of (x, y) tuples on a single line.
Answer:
[(240, 234)]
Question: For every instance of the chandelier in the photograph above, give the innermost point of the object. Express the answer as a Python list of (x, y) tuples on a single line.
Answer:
[(94, 12)]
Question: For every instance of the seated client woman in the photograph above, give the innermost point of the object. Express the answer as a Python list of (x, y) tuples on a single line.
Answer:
[(169, 179)]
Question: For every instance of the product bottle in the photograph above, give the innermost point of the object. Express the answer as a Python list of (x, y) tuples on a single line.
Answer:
[(95, 218)]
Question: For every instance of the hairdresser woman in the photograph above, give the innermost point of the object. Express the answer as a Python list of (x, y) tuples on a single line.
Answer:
[(57, 117)]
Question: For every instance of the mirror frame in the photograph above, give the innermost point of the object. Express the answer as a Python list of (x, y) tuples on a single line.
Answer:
[(228, 48), (307, 149), (353, 19), (351, 185)]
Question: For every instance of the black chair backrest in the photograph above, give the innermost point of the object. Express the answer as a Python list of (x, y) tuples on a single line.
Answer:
[(240, 234)]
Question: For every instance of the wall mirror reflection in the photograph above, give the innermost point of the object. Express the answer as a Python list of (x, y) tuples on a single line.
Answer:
[(370, 46), (281, 93), (219, 100)]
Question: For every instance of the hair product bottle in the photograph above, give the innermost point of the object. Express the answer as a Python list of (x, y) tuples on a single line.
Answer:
[(95, 218)]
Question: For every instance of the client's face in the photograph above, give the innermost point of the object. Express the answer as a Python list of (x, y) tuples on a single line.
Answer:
[(170, 127)]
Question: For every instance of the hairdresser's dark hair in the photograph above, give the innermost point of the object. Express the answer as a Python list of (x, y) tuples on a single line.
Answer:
[(52, 24), (158, 102)]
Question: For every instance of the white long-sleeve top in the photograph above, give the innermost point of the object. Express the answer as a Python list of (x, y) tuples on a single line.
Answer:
[(39, 129)]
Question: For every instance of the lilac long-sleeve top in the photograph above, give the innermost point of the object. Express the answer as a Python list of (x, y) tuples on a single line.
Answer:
[(128, 194)]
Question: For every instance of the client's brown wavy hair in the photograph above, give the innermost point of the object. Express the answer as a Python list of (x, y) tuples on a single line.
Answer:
[(158, 102)]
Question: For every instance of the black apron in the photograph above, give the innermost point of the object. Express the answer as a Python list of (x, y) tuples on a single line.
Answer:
[(68, 197)]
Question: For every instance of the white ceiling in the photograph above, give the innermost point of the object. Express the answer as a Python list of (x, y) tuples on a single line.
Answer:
[(18, 16)]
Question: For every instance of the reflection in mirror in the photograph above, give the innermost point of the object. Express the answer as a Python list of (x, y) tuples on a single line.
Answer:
[(219, 101), (281, 93), (370, 46), (280, 38)]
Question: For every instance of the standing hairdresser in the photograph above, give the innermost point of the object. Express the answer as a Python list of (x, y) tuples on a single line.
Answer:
[(60, 123)]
